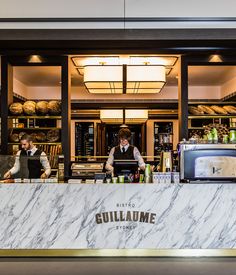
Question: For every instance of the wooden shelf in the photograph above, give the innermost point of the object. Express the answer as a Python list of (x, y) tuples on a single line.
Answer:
[(35, 117), (36, 128), (210, 116), (164, 134), (212, 103), (36, 143), (196, 128)]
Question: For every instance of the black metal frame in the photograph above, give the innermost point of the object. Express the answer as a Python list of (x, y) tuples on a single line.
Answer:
[(7, 63), (16, 45), (194, 60)]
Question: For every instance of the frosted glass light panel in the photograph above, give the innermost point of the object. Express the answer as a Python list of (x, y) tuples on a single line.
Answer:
[(145, 78), (103, 79)]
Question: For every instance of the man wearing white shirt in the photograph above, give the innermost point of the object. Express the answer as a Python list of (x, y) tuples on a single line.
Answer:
[(30, 161), (124, 151)]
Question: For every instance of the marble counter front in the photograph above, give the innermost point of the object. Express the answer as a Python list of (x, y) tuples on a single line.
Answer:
[(130, 216)]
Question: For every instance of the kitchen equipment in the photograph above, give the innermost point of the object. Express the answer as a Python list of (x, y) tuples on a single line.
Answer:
[(208, 162), (85, 170)]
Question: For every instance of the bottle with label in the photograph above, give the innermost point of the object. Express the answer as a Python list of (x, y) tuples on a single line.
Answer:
[(60, 173), (167, 164), (136, 176), (147, 170), (147, 173)]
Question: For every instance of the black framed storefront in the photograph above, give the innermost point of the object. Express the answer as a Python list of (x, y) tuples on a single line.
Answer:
[(194, 45)]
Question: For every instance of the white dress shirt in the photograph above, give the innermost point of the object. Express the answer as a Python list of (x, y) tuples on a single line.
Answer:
[(137, 156), (43, 160)]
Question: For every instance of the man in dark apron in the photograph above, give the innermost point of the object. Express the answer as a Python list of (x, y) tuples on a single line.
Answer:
[(124, 151), (29, 161)]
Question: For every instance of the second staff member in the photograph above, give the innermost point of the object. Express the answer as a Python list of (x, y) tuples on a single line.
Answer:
[(124, 151)]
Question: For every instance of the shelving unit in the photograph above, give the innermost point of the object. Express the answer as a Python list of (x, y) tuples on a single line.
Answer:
[(211, 116), (84, 139), (163, 137), (36, 143), (52, 149), (36, 129), (35, 117), (196, 123)]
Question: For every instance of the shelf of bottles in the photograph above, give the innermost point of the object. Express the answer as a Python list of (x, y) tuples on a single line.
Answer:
[(197, 124), (163, 137), (84, 139)]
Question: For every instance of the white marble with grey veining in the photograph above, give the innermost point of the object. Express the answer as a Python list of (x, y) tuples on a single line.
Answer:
[(62, 216)]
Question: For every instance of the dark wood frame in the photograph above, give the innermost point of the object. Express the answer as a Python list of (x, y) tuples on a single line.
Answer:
[(7, 97)]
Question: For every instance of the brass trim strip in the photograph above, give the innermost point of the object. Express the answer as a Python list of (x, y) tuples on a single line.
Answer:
[(117, 252)]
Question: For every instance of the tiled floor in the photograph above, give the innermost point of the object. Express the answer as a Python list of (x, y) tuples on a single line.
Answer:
[(165, 266)]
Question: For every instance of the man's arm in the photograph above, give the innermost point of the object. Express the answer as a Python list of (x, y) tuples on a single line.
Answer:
[(109, 164), (45, 163), (138, 157), (16, 167)]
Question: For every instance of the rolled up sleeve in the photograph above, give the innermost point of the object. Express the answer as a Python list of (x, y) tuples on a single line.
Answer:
[(109, 163), (45, 163), (16, 167), (138, 157)]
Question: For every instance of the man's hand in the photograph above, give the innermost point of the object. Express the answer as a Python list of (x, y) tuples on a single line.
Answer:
[(7, 175), (44, 176)]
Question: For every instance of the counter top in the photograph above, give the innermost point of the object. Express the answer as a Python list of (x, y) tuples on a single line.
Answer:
[(95, 216)]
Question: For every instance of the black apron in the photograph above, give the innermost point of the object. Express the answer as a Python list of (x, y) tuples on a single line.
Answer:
[(128, 154), (30, 166)]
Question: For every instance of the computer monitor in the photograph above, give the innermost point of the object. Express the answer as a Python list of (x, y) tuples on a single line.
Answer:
[(125, 167)]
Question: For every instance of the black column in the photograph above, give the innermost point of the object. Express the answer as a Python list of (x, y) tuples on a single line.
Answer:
[(66, 113), (183, 98), (6, 99)]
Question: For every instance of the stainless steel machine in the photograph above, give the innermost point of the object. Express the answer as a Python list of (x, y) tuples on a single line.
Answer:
[(208, 162), (86, 170)]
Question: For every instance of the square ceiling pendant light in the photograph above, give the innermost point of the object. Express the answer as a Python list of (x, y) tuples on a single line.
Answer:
[(102, 79), (136, 113), (145, 79), (124, 74), (135, 78), (113, 116), (131, 116), (136, 116)]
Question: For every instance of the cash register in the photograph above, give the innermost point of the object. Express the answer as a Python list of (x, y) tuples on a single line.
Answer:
[(125, 167)]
